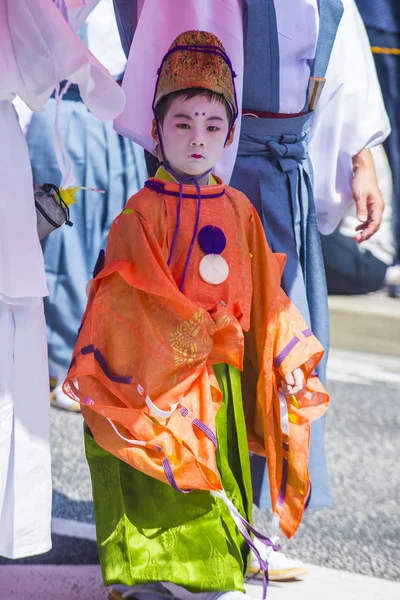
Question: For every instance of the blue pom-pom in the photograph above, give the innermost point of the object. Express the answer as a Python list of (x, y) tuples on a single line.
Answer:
[(212, 239)]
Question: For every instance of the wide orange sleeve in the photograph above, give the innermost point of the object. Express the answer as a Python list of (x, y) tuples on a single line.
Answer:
[(141, 366), (278, 342)]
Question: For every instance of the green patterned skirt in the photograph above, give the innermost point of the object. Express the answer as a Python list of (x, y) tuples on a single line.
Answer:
[(147, 531)]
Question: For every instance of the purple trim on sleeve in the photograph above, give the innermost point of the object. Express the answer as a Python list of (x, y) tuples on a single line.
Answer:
[(102, 362), (200, 425), (205, 429), (285, 446), (307, 333), (170, 476), (286, 351), (88, 349)]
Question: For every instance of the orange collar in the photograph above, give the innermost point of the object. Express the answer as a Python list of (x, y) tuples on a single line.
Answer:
[(172, 188)]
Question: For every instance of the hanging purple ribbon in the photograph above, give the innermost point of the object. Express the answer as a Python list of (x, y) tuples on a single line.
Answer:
[(62, 7)]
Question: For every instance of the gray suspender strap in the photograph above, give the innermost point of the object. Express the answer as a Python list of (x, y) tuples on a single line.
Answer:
[(330, 14), (126, 14), (261, 71)]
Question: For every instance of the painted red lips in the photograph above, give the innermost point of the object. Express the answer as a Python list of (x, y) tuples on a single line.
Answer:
[(196, 156)]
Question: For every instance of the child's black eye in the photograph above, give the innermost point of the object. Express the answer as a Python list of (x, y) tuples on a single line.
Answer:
[(212, 128), (183, 126)]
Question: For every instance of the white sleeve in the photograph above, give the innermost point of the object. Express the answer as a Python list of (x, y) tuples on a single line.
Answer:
[(47, 51), (349, 117), (159, 24), (24, 114)]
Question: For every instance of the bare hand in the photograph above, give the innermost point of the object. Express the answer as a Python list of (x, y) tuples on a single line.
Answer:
[(293, 383), (367, 196)]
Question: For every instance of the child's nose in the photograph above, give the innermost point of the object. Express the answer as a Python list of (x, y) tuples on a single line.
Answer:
[(197, 139), (197, 142)]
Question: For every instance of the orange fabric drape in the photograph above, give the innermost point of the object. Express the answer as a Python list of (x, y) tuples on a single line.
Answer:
[(142, 337)]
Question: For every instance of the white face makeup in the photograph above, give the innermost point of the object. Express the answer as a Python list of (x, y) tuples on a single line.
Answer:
[(193, 135)]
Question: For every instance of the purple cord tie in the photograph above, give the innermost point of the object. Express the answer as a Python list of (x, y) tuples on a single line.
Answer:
[(103, 364), (170, 476), (205, 429), (200, 425), (265, 540)]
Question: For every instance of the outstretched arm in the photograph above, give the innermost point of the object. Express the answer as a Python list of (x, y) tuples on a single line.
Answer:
[(367, 195)]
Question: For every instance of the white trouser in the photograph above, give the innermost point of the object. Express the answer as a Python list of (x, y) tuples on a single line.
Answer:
[(25, 469)]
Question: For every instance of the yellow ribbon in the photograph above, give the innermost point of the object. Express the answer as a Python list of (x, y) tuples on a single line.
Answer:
[(378, 50)]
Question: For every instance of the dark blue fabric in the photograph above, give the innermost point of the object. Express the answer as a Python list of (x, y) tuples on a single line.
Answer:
[(261, 62), (330, 14), (381, 14), (388, 69), (349, 269), (274, 171), (72, 92), (101, 159), (126, 16)]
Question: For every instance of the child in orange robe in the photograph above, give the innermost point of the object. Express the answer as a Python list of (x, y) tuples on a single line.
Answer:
[(189, 354)]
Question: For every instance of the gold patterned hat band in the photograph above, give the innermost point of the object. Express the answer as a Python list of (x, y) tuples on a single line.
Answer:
[(197, 59)]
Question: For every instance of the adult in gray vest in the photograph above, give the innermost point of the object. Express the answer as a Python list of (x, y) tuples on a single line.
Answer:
[(288, 48), (382, 21)]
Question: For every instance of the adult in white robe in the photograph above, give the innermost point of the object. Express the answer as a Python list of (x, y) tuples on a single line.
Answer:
[(100, 159), (350, 114), (38, 49)]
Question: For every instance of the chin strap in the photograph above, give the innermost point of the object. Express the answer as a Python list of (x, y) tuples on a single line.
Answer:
[(182, 181)]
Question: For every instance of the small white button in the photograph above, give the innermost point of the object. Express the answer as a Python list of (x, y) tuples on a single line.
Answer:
[(213, 269)]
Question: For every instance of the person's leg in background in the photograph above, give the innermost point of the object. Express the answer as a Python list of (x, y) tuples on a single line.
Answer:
[(353, 268), (386, 50), (348, 269), (103, 160), (25, 466)]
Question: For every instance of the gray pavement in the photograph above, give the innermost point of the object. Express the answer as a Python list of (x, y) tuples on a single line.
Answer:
[(369, 323), (352, 549), (360, 533)]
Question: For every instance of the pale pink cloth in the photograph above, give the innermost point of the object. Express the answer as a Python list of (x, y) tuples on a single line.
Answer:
[(38, 49), (350, 114)]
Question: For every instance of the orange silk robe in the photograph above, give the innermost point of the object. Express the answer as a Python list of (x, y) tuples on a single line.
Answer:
[(144, 346)]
